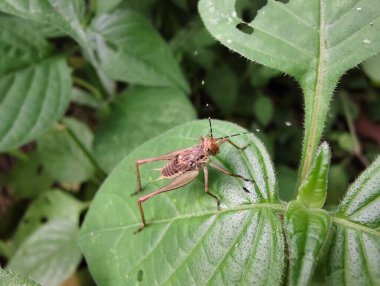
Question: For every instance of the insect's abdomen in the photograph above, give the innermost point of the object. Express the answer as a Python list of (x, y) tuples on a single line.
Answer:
[(171, 170)]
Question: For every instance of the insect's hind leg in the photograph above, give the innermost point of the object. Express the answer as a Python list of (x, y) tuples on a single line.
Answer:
[(205, 171)]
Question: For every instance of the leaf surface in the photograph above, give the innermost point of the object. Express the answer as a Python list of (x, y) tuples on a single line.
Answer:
[(10, 278), (131, 50), (34, 85), (241, 243), (136, 116), (354, 257)]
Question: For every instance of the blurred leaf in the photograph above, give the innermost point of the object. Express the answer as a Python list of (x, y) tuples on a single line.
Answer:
[(106, 6), (222, 85), (131, 50), (308, 235), (62, 14), (337, 183), (50, 206), (63, 159), (28, 178), (82, 97), (287, 178), (263, 110), (10, 278), (261, 75), (241, 243), (371, 68), (50, 255), (313, 189), (138, 115), (354, 257), (315, 41), (346, 142), (34, 84)]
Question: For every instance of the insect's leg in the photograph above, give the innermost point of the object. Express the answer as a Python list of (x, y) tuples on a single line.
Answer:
[(167, 156), (224, 171), (237, 146), (205, 171), (176, 183)]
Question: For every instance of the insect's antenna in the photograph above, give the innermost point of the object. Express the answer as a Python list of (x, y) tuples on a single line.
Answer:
[(209, 121), (233, 135)]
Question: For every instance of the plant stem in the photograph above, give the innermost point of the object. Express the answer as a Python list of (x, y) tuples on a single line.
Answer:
[(101, 175), (88, 86)]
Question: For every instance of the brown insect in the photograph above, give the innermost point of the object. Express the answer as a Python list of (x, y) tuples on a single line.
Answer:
[(184, 166)]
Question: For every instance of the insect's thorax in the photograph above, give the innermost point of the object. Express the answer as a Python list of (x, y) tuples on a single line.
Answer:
[(191, 159)]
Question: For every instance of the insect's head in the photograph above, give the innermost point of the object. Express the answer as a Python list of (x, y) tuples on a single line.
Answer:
[(209, 145)]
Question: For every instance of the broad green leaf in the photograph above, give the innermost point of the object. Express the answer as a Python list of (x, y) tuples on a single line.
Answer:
[(313, 189), (63, 159), (138, 115), (354, 257), (50, 255), (34, 84), (52, 205), (263, 110), (10, 278), (314, 41), (222, 85), (28, 178), (131, 50), (62, 14), (188, 241), (308, 235), (106, 6)]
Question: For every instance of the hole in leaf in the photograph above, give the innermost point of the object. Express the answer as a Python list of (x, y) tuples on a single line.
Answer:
[(43, 219), (247, 10), (283, 1), (245, 28), (140, 275)]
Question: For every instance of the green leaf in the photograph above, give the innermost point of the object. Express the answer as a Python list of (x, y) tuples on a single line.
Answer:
[(106, 6), (263, 110), (222, 85), (314, 41), (241, 243), (313, 189), (28, 178), (63, 14), (52, 205), (138, 115), (61, 155), (354, 257), (131, 50), (308, 235), (10, 278), (50, 255), (34, 85)]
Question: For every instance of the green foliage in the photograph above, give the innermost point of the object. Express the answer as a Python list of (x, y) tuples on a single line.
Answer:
[(89, 87)]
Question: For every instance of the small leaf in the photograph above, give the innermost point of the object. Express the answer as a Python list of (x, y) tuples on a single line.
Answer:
[(308, 235), (10, 278), (263, 110), (242, 243), (34, 87), (63, 159), (50, 255), (138, 115), (49, 206), (63, 14), (28, 178), (313, 189), (354, 256), (131, 50)]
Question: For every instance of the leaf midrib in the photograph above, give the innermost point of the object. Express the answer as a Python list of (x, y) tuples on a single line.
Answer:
[(352, 225), (274, 207)]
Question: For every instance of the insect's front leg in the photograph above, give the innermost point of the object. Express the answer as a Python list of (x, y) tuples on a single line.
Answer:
[(224, 171), (232, 143), (205, 171)]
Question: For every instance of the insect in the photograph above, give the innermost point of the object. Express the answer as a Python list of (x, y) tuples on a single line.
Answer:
[(184, 166)]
